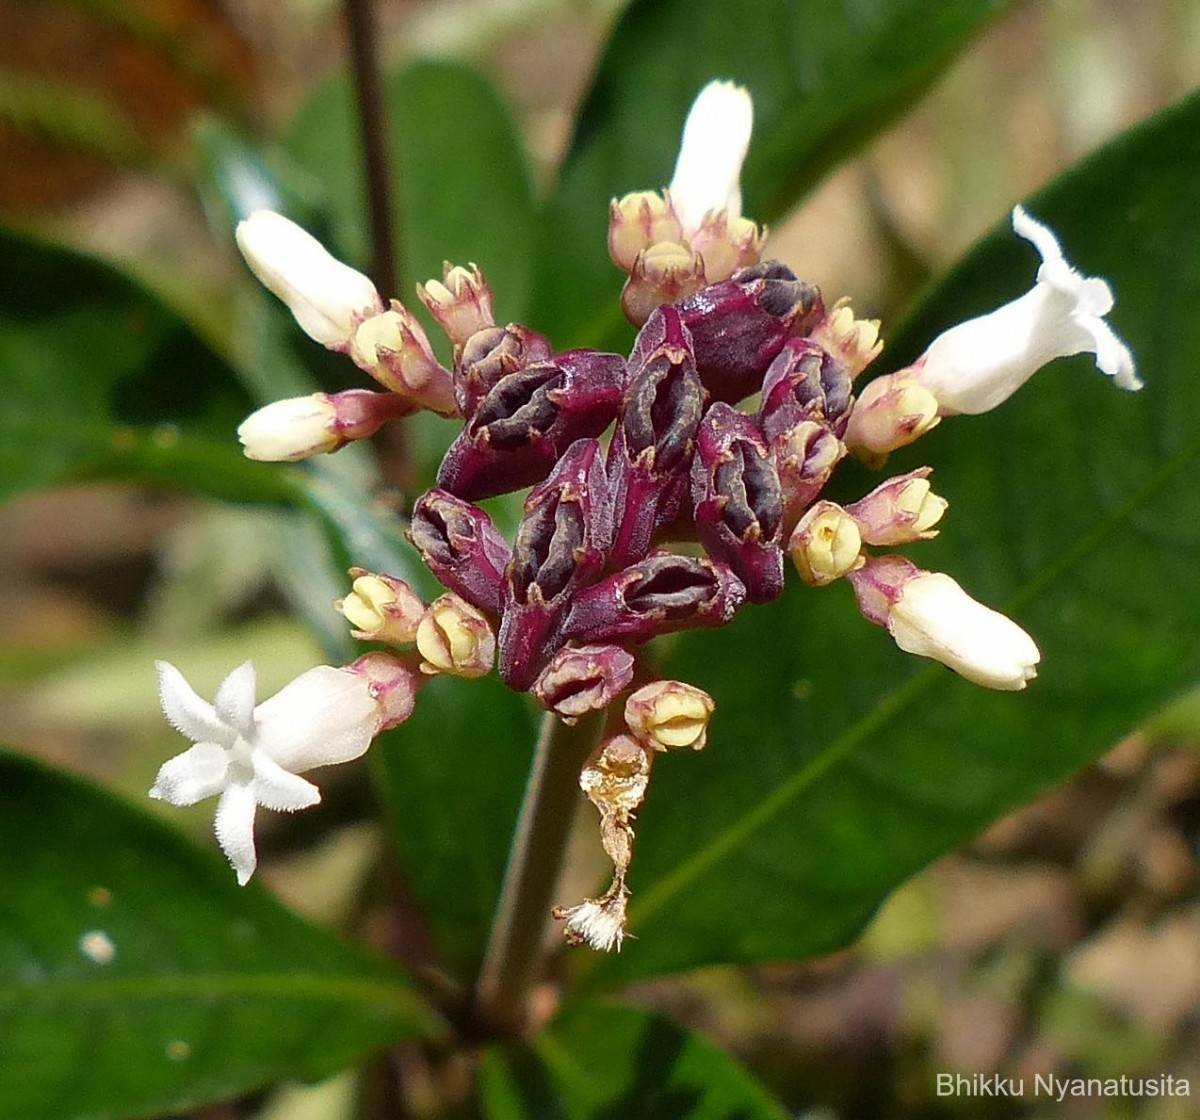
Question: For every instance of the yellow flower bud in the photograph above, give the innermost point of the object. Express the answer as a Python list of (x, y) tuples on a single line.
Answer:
[(826, 544), (453, 637), (854, 342), (381, 608), (669, 714), (891, 411), (637, 221)]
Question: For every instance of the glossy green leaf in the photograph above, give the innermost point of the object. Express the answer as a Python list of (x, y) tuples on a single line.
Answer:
[(461, 189), (136, 977), (452, 777), (102, 379), (825, 77), (836, 765), (601, 1061)]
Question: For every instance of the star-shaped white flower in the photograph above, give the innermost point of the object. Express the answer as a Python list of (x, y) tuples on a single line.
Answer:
[(978, 364), (253, 756)]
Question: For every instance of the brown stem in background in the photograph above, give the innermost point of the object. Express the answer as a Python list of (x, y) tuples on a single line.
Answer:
[(535, 859), (373, 124)]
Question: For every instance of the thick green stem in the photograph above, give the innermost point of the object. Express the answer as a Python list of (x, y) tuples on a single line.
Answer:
[(534, 862)]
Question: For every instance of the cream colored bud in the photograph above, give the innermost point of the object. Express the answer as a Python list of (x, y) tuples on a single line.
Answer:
[(854, 342), (382, 608), (900, 510), (326, 297), (394, 349), (804, 457), (453, 637), (662, 274), (725, 244), (826, 544), (637, 221), (669, 714), (285, 431), (890, 412), (461, 302), (921, 506)]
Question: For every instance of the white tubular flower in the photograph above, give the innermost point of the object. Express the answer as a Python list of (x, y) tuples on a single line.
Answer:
[(252, 756), (976, 365), (327, 298), (289, 430), (708, 171), (934, 617)]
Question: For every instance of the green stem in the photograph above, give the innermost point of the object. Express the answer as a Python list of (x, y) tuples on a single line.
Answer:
[(534, 861)]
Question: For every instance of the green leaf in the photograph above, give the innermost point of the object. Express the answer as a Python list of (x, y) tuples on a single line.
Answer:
[(452, 778), (461, 189), (103, 379), (825, 78), (136, 977), (837, 765), (597, 1061)]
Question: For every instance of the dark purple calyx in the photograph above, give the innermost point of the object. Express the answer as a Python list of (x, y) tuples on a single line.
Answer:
[(462, 547), (661, 593), (490, 355), (740, 324), (561, 546), (651, 450), (738, 502), (583, 679), (528, 418), (805, 382)]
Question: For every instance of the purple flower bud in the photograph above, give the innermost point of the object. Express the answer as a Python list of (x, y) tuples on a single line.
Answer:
[(651, 451), (661, 593), (583, 680), (804, 382), (740, 324), (493, 353), (737, 499), (528, 418), (561, 546), (461, 547)]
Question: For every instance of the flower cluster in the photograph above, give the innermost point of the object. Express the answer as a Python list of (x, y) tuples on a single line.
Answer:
[(666, 488)]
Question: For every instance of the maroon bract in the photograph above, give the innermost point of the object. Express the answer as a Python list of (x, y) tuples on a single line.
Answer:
[(740, 324), (660, 594), (560, 547), (650, 455), (804, 382), (491, 354), (462, 547), (528, 418), (583, 679), (737, 500)]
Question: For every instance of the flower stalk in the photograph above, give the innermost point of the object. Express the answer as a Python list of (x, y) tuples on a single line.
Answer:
[(534, 862)]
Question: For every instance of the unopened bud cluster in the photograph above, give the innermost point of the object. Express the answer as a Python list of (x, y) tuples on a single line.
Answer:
[(658, 499)]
